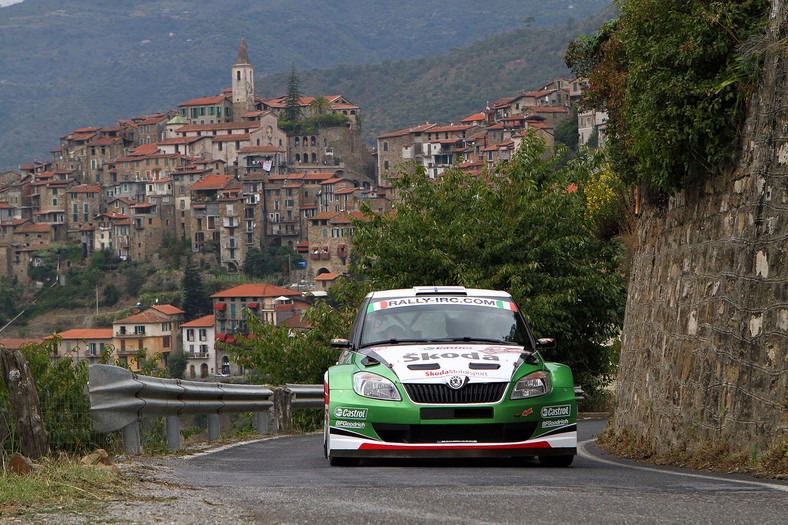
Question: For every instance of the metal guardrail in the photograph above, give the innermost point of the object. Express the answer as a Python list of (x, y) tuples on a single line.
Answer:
[(119, 398)]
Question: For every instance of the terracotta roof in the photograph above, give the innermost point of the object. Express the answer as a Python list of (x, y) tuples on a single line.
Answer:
[(212, 182), (34, 228), (180, 140), (86, 333), (255, 290), (218, 126), (475, 117), (230, 137), (147, 149), (104, 141), (85, 189), (454, 127), (413, 129), (168, 309), (295, 321), (147, 316), (14, 343), (204, 101), (328, 276), (206, 321)]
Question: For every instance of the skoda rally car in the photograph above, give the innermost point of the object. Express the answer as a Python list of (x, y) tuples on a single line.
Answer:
[(446, 372)]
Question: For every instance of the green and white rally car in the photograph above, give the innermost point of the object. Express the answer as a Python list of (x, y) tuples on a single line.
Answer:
[(446, 372)]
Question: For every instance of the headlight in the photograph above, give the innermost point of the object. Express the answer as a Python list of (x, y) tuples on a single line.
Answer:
[(366, 384), (532, 385)]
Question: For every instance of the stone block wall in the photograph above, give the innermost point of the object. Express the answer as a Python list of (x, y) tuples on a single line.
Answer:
[(705, 340)]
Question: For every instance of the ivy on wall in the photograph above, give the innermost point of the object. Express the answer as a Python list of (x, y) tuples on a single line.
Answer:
[(674, 76)]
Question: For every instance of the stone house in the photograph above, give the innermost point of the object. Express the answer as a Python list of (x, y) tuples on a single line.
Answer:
[(146, 232), (330, 237), (154, 330), (328, 199), (205, 221), (398, 148), (107, 144), (48, 198), (83, 203)]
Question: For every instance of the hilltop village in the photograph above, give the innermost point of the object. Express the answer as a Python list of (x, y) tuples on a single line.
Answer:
[(227, 173)]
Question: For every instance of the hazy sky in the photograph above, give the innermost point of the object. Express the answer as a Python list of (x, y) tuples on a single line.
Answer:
[(4, 3)]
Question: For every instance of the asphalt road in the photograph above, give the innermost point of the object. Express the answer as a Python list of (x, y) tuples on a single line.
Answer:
[(287, 481)]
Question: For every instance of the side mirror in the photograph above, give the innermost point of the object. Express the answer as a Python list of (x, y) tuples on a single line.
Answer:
[(339, 343), (546, 343)]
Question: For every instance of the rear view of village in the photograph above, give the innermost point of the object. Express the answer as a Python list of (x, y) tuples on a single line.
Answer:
[(232, 183)]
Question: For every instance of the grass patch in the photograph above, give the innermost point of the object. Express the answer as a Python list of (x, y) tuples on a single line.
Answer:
[(716, 456), (60, 486)]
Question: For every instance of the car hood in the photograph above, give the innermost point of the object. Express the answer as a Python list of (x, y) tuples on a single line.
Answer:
[(437, 363)]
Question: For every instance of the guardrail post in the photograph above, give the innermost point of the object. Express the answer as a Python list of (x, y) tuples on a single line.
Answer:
[(131, 438), (213, 427), (173, 432), (262, 421)]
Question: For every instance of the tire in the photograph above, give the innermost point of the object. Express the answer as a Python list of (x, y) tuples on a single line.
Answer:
[(556, 461), (342, 462)]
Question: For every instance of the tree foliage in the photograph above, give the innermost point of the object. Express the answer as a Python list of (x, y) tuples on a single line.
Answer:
[(65, 407), (674, 80), (292, 112), (521, 229), (195, 300)]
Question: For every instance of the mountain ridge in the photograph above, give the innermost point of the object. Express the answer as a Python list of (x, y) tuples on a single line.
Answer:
[(66, 64)]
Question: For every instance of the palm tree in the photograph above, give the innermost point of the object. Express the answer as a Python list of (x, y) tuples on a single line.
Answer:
[(320, 105)]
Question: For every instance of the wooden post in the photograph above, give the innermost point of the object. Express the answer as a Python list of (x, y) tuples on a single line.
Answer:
[(283, 409), (30, 428)]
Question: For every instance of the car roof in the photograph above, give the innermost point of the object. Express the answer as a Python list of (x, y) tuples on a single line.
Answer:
[(437, 290)]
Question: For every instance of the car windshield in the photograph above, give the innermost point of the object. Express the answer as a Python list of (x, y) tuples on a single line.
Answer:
[(485, 320)]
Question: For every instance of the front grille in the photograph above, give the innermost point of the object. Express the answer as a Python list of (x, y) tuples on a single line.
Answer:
[(484, 433), (442, 394)]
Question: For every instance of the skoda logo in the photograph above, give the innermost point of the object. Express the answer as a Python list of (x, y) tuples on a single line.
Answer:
[(457, 382)]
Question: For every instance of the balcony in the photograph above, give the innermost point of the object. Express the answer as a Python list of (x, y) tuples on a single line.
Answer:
[(122, 333), (197, 355)]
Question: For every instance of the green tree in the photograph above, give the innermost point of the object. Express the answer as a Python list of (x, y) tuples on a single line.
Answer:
[(111, 294), (254, 263), (292, 112), (521, 229), (135, 280), (101, 260), (176, 364), (277, 355), (195, 299), (566, 131), (674, 80)]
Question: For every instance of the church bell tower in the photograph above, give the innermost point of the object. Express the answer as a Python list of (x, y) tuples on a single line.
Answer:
[(243, 83)]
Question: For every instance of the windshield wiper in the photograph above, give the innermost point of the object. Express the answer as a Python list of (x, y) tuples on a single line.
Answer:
[(469, 339), (392, 341)]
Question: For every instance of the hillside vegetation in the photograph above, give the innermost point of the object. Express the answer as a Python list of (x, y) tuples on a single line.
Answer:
[(65, 64)]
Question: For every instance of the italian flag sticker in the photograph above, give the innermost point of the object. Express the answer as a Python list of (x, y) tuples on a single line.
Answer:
[(374, 307), (505, 305)]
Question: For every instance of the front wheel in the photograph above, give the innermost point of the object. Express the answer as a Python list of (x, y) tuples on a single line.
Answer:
[(342, 462), (556, 461)]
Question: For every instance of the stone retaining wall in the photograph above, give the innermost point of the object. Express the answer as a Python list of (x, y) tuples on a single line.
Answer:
[(706, 326)]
